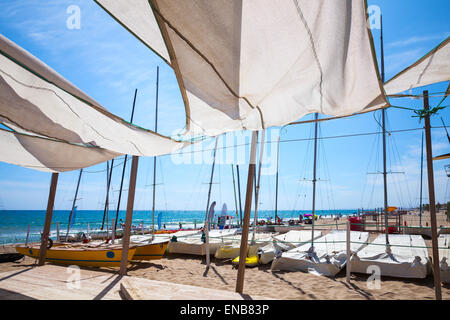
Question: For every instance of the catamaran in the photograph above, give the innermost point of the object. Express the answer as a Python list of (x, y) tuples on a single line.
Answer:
[(285, 242), (328, 257)]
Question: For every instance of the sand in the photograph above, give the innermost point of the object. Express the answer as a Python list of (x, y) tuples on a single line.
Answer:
[(261, 281)]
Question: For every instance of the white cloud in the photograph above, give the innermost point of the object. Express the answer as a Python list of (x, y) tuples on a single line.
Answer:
[(414, 40)]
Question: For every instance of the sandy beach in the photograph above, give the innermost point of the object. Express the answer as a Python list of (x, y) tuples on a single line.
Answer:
[(261, 281)]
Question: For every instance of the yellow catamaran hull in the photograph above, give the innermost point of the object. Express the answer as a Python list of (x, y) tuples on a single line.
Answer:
[(152, 251), (79, 255)]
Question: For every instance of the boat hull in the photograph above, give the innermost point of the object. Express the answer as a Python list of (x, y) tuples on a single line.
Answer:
[(152, 251), (105, 257)]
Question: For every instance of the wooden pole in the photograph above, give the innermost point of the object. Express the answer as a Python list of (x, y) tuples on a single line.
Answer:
[(207, 206), (48, 218), (129, 216), (248, 207), (434, 235)]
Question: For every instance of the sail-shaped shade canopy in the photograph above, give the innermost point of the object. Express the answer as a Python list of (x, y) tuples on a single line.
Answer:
[(45, 111), (432, 68), (254, 64)]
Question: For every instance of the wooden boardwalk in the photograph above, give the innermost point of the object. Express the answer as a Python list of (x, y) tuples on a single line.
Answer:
[(51, 282)]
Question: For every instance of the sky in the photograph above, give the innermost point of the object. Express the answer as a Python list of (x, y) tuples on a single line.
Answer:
[(108, 63)]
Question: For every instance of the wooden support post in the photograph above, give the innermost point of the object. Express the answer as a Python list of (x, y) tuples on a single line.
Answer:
[(434, 235), (48, 218), (57, 231), (129, 216), (247, 209), (348, 251)]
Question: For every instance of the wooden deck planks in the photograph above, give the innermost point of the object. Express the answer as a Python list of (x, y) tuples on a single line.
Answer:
[(52, 282), (144, 289)]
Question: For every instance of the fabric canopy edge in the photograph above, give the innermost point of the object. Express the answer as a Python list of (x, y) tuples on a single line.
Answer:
[(432, 51), (169, 63), (87, 100), (100, 154)]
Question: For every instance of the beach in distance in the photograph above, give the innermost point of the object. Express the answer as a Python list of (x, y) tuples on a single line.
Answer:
[(262, 281)]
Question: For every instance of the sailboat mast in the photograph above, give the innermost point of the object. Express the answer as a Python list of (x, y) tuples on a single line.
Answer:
[(73, 203), (235, 196), (154, 158), (316, 124), (207, 206), (384, 142), (124, 166), (276, 182), (421, 183), (108, 184), (261, 151), (239, 194)]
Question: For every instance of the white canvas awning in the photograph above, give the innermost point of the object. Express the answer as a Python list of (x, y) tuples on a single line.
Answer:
[(36, 101), (45, 154), (250, 64), (432, 68)]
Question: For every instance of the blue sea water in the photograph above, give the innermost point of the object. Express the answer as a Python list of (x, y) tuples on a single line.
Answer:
[(14, 223)]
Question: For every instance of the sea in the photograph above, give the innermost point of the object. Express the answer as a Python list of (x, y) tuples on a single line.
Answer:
[(14, 224)]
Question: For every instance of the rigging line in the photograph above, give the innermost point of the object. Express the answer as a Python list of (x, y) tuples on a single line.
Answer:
[(327, 172), (434, 94), (373, 148), (163, 182), (104, 170), (300, 182), (397, 153), (306, 139), (377, 156), (448, 137)]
